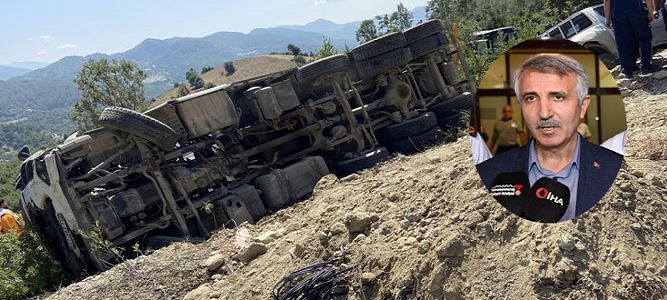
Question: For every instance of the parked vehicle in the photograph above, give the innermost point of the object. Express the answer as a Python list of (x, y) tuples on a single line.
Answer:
[(487, 40), (240, 151), (587, 28)]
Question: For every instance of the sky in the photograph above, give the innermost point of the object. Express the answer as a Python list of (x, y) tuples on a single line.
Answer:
[(46, 31)]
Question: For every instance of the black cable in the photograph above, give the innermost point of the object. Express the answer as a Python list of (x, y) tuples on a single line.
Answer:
[(314, 282)]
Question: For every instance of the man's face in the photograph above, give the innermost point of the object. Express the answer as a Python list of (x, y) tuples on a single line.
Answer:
[(549, 105)]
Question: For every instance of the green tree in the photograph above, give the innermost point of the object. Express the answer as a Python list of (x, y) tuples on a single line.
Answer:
[(107, 83), (194, 79), (366, 31), (398, 20), (327, 49), (294, 50), (229, 67)]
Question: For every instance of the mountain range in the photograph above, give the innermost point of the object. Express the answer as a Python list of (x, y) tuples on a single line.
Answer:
[(50, 87)]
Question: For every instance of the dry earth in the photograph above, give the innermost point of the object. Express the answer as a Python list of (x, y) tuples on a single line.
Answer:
[(245, 69), (424, 227)]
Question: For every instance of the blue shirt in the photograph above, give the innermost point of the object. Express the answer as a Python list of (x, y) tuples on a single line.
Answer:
[(568, 176)]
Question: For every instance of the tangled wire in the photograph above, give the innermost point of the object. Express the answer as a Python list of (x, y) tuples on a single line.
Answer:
[(323, 280)]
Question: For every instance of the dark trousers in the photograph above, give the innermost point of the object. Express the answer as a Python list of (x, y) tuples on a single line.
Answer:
[(633, 33), (663, 11)]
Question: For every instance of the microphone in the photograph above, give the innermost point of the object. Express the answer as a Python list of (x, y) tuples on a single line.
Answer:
[(548, 201), (512, 190)]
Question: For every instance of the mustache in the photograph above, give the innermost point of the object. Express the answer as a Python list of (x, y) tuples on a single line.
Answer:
[(547, 123)]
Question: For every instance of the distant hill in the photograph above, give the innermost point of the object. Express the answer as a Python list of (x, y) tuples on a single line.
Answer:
[(328, 28), (48, 90), (7, 72), (30, 65)]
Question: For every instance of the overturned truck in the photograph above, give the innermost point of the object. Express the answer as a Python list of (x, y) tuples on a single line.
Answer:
[(237, 152)]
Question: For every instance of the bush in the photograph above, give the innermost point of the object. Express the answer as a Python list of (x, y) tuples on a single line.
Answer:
[(194, 79), (229, 67), (209, 85), (182, 90), (300, 60), (206, 69), (26, 268)]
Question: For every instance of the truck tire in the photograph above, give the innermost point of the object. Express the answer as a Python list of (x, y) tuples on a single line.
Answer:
[(369, 68), (378, 46), (56, 241), (408, 128), (419, 142), (428, 45), (327, 65), (141, 125), (366, 160), (423, 30), (452, 105), (608, 59), (452, 122)]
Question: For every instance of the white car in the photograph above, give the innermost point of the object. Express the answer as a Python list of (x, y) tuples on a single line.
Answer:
[(587, 28)]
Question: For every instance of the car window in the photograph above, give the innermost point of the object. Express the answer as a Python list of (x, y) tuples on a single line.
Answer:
[(567, 29), (555, 33), (581, 22)]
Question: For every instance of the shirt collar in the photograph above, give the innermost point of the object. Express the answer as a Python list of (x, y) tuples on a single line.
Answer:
[(534, 163)]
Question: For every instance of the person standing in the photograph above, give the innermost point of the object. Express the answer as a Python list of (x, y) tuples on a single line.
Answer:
[(8, 220), (506, 132), (630, 21)]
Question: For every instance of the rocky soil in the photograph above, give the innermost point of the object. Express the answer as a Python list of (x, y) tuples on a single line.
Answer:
[(424, 227)]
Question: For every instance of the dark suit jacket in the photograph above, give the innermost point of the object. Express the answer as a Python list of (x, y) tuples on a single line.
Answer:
[(599, 167)]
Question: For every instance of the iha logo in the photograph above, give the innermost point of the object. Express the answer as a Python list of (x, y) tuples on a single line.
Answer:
[(543, 193)]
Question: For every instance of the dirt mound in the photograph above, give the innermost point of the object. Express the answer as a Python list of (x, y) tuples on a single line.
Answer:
[(424, 227)]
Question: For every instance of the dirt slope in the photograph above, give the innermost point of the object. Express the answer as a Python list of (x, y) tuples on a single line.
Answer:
[(424, 227)]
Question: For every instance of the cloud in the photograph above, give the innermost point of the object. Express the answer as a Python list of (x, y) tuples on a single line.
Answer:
[(47, 37), (42, 53), (67, 46), (319, 2), (29, 39)]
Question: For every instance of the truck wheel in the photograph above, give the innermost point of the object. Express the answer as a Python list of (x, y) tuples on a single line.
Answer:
[(407, 128), (452, 122), (56, 241), (384, 62), (141, 125), (366, 160), (452, 105), (422, 30), (419, 142), (428, 45), (331, 64), (378, 46)]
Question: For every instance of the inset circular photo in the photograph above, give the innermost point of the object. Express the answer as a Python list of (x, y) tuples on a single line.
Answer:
[(550, 126)]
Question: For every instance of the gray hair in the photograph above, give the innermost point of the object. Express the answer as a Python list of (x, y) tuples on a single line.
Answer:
[(554, 64)]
